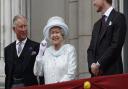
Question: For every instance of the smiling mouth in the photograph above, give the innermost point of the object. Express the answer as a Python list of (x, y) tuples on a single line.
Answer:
[(55, 39)]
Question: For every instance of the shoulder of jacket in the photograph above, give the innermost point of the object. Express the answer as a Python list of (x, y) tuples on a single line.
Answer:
[(69, 47), (119, 15), (9, 46), (33, 42)]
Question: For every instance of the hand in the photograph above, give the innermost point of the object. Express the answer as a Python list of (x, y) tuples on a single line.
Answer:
[(95, 69), (43, 46)]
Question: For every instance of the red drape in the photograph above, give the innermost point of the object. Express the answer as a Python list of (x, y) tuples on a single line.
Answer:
[(106, 82)]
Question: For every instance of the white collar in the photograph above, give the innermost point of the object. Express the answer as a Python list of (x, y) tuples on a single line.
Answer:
[(24, 41), (107, 13), (58, 52)]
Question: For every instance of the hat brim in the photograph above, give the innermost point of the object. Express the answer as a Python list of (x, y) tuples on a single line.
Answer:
[(46, 31)]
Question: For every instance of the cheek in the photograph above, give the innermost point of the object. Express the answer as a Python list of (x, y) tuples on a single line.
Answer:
[(26, 32), (60, 36), (51, 36), (17, 32), (98, 3)]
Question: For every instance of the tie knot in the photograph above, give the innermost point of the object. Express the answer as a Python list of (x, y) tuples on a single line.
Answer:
[(104, 16), (20, 42), (104, 19)]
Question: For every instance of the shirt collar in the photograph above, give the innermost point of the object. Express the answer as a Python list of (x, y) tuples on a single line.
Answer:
[(107, 13), (24, 41)]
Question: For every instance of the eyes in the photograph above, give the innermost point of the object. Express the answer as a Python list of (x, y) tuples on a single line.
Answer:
[(55, 32), (22, 26)]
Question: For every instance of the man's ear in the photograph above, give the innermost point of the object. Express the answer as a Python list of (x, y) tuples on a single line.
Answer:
[(13, 28)]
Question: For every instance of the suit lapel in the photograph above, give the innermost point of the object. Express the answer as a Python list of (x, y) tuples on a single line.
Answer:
[(26, 54), (12, 56), (110, 18), (14, 50), (97, 29)]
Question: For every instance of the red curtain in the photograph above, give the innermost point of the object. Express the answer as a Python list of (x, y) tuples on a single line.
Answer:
[(106, 82)]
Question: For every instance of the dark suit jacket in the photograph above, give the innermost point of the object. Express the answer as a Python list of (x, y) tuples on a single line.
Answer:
[(29, 53), (110, 44)]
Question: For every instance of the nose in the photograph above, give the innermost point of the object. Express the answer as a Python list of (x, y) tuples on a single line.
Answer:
[(24, 28), (54, 35)]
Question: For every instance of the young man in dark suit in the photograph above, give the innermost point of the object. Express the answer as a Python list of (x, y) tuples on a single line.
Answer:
[(108, 36), (20, 57)]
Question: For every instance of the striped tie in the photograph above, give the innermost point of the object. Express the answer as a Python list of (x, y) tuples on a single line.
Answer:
[(19, 48)]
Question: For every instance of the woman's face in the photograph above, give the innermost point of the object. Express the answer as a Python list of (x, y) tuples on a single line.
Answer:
[(56, 35)]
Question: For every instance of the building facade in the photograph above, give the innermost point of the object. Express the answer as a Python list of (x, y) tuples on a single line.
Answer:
[(80, 16)]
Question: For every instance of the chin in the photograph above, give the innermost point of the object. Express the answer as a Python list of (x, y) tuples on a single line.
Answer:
[(98, 10), (23, 38), (55, 43)]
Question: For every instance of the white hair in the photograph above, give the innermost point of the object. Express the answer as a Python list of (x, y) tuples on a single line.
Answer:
[(16, 18)]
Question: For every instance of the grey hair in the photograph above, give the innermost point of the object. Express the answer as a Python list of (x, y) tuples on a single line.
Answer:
[(16, 18)]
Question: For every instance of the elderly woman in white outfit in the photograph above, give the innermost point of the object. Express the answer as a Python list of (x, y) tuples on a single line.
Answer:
[(58, 63)]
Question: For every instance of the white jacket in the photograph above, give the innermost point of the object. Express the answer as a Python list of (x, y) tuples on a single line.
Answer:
[(57, 66)]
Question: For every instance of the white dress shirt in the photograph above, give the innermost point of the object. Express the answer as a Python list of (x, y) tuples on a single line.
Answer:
[(108, 12), (57, 66), (22, 45)]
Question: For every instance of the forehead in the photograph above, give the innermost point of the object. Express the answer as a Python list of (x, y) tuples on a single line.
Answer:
[(21, 21), (56, 28), (99, 0)]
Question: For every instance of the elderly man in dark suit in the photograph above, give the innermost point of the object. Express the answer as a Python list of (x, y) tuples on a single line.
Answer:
[(20, 57), (108, 36)]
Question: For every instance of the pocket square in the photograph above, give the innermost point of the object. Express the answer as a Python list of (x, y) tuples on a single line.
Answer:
[(110, 23), (33, 53)]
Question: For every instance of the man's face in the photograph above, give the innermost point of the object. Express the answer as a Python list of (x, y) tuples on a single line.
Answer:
[(21, 29), (98, 4)]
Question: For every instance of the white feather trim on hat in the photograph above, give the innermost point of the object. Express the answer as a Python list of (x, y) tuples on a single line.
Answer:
[(55, 21)]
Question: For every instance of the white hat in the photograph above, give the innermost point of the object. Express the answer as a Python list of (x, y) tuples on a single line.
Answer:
[(55, 21)]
